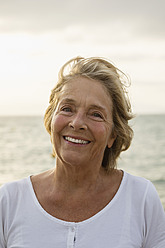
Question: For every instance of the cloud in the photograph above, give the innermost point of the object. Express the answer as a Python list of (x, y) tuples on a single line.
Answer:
[(38, 36), (135, 17)]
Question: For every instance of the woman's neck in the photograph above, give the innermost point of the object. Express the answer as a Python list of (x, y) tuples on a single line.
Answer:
[(81, 177)]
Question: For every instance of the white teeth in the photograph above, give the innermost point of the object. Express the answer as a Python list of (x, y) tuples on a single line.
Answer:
[(77, 141)]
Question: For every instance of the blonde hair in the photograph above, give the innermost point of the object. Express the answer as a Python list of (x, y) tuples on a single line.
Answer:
[(113, 79)]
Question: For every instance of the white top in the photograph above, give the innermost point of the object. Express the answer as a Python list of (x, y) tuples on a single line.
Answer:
[(134, 218)]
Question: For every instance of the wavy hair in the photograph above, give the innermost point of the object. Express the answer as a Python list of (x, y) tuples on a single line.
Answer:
[(116, 83)]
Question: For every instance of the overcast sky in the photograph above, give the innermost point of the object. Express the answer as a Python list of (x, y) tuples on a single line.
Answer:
[(38, 36)]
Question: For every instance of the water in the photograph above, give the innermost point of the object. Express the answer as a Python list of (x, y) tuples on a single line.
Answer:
[(25, 149)]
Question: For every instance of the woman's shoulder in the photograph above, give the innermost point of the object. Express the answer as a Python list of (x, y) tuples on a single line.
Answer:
[(136, 181), (141, 188), (14, 188)]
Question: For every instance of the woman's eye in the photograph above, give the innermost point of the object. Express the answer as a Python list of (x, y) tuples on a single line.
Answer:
[(97, 115), (66, 109)]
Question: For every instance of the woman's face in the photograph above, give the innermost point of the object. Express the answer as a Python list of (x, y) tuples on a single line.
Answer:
[(82, 123)]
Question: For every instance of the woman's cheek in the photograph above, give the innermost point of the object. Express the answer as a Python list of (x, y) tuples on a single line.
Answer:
[(58, 123), (100, 128)]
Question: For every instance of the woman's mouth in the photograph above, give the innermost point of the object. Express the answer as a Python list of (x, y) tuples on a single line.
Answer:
[(76, 141)]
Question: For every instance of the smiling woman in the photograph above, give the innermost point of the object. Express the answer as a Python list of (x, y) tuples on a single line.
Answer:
[(85, 200), (83, 117), (100, 71)]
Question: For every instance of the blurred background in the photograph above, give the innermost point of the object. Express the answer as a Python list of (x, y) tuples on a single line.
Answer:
[(38, 37)]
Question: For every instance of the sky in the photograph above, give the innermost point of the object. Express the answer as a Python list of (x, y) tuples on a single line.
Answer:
[(38, 36)]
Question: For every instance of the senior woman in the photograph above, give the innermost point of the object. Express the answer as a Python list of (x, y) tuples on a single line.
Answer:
[(85, 201)]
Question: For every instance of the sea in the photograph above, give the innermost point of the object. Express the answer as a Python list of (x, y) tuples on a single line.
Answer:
[(25, 149)]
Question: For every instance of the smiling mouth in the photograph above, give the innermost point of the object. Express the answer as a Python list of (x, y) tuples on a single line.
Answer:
[(76, 141)]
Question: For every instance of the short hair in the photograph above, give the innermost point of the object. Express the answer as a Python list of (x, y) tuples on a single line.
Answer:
[(113, 79)]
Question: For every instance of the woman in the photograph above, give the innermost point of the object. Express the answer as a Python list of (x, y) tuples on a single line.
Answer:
[(85, 201)]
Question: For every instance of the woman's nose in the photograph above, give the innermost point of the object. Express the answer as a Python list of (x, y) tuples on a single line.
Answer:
[(78, 122)]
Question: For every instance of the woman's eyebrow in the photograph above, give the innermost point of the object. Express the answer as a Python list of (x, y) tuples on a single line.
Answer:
[(99, 107), (67, 100)]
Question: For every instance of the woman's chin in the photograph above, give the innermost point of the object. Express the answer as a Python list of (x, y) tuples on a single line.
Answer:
[(73, 159)]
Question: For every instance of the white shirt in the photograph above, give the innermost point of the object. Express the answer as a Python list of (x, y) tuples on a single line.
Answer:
[(134, 218)]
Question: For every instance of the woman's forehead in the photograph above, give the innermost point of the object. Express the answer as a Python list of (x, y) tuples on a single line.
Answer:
[(84, 89), (84, 85)]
